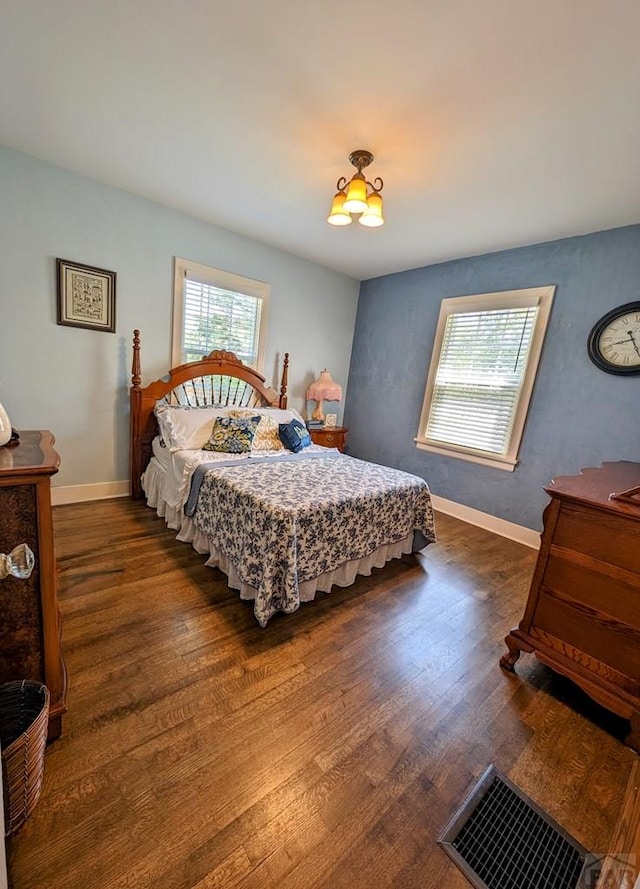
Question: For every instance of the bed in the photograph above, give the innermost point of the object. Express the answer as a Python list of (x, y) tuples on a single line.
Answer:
[(282, 525)]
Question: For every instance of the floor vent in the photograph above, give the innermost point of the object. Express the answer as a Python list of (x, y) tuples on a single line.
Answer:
[(500, 839)]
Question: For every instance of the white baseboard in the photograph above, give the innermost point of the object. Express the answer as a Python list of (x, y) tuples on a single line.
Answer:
[(103, 490), (62, 494), (486, 521)]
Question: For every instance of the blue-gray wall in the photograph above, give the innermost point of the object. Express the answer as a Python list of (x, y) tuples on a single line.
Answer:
[(74, 381), (579, 416)]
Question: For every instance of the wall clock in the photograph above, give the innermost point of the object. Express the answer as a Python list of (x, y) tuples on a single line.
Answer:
[(614, 341)]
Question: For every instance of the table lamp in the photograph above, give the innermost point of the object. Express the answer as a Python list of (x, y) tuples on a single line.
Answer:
[(323, 389)]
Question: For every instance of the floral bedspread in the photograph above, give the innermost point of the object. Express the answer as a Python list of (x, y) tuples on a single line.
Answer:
[(283, 523)]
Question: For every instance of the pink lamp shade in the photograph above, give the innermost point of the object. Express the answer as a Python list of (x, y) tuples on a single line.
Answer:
[(324, 388)]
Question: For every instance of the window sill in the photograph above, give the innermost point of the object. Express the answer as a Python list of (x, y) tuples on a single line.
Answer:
[(507, 464)]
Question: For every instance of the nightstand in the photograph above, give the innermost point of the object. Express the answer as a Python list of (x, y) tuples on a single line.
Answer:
[(330, 436)]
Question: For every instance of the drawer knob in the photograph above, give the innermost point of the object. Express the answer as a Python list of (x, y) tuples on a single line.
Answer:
[(18, 563)]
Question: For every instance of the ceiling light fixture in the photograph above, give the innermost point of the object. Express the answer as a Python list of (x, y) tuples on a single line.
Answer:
[(358, 196)]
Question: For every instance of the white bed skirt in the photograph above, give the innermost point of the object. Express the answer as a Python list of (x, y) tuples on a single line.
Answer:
[(344, 575)]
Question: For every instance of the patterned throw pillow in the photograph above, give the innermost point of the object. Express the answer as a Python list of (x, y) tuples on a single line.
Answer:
[(294, 435), (266, 438), (232, 435)]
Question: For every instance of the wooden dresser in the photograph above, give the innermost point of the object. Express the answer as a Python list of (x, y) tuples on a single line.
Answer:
[(582, 617), (30, 630)]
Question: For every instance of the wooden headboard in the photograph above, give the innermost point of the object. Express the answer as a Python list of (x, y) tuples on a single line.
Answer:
[(220, 378)]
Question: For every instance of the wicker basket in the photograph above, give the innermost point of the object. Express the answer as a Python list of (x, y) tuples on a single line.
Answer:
[(24, 719)]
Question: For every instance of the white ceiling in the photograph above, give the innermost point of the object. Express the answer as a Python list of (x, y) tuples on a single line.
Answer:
[(494, 123)]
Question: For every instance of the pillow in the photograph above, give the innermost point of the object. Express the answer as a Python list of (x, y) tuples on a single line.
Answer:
[(266, 437), (187, 427), (232, 435), (294, 435), (279, 414)]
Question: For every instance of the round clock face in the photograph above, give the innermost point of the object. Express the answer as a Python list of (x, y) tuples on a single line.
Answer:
[(614, 341)]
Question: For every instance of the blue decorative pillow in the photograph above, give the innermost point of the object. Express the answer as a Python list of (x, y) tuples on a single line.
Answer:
[(232, 435), (294, 435)]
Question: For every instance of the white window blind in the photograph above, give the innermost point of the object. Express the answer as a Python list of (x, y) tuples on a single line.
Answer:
[(220, 319), (214, 309), (482, 372), (479, 378)]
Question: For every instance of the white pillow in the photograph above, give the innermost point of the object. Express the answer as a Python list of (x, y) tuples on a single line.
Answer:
[(277, 414), (187, 428)]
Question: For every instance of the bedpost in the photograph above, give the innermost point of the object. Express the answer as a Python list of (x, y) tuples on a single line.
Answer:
[(284, 382), (136, 377), (135, 398)]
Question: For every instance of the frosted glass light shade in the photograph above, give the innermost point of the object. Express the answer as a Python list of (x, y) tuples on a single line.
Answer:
[(372, 216), (338, 215), (356, 200)]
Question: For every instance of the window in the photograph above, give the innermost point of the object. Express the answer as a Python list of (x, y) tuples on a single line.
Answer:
[(483, 367), (213, 309)]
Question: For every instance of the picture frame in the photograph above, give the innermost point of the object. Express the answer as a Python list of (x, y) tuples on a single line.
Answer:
[(86, 296), (330, 419)]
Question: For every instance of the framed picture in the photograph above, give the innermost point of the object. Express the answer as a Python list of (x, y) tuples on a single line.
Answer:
[(330, 419), (86, 296)]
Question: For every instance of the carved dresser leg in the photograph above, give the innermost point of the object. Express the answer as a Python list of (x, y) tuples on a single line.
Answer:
[(515, 646)]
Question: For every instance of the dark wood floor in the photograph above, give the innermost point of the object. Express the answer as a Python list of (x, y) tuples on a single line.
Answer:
[(328, 750)]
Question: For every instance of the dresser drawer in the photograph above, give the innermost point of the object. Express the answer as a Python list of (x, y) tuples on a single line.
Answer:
[(600, 636), (602, 535), (598, 585), (21, 655)]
